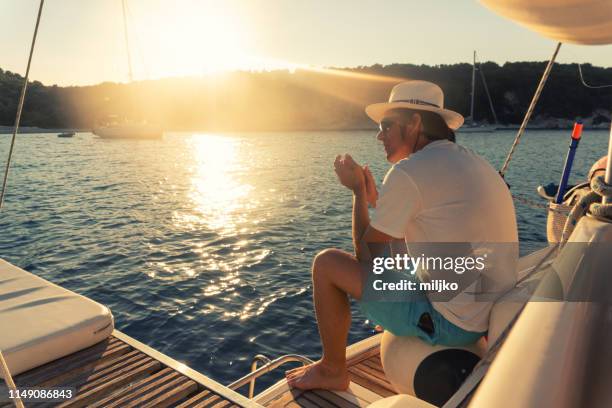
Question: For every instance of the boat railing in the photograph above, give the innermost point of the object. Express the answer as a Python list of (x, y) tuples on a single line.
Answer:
[(269, 365)]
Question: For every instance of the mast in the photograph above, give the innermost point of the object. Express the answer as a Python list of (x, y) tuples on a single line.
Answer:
[(473, 89), (484, 82), (127, 43)]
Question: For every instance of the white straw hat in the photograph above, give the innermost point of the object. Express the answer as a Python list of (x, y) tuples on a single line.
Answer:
[(417, 95)]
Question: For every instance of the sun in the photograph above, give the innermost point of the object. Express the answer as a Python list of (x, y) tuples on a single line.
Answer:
[(186, 38)]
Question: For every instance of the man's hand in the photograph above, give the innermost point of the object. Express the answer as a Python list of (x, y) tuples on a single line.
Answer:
[(370, 187), (350, 174)]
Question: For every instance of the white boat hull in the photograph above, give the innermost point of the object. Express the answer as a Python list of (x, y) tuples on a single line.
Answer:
[(476, 129), (129, 132)]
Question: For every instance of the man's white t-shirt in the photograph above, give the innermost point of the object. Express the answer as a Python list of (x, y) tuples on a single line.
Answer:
[(445, 193)]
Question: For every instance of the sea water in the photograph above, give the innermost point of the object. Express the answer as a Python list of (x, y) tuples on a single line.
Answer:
[(201, 244)]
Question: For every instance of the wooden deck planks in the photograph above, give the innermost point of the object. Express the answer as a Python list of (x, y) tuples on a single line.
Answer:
[(319, 401), (333, 399), (195, 400), (83, 360), (371, 385), (285, 399), (208, 402), (168, 394), (135, 390), (365, 370), (112, 373)]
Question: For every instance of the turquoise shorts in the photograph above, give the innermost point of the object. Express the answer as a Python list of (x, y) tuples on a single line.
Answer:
[(413, 315)]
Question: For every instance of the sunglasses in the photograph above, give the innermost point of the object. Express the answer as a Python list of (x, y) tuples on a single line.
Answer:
[(386, 124)]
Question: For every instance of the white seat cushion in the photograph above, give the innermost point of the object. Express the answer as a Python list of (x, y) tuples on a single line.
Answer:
[(41, 322)]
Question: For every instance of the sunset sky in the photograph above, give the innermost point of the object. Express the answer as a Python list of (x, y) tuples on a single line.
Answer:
[(81, 42)]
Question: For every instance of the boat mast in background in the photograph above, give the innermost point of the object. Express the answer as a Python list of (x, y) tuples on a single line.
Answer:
[(119, 126), (472, 94), (484, 83), (471, 126), (127, 42)]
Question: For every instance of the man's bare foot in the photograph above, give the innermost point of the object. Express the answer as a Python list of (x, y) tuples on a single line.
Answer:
[(319, 375), (294, 371)]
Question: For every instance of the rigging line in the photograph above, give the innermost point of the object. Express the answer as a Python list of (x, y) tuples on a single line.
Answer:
[(137, 40), (127, 43), (20, 106), (590, 86), (534, 101), (3, 366), (484, 82)]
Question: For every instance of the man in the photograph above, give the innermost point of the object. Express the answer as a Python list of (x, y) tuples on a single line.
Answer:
[(436, 191)]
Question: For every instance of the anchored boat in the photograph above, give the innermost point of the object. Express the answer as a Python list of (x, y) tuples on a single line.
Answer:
[(111, 128), (66, 134), (128, 131), (471, 126)]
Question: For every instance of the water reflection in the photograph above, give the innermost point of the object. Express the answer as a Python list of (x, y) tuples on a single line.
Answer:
[(220, 199)]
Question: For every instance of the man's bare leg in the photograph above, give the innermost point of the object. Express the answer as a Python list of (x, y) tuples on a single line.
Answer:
[(335, 274)]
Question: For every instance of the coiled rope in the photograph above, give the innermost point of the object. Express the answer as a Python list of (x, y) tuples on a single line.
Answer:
[(589, 203), (3, 365)]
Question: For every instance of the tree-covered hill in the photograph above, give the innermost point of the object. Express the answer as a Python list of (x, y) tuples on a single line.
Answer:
[(321, 99)]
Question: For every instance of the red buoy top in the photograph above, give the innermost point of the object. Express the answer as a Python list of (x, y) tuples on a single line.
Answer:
[(577, 132)]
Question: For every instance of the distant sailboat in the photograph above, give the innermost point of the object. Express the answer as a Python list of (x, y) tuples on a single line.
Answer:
[(111, 128), (471, 126), (66, 134)]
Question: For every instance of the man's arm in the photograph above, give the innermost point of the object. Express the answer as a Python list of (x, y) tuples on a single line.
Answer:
[(366, 239), (361, 221), (356, 179)]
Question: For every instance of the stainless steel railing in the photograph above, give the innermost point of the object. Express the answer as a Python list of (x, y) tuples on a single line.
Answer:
[(269, 365)]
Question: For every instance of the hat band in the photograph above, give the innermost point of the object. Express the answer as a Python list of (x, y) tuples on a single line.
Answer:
[(417, 102)]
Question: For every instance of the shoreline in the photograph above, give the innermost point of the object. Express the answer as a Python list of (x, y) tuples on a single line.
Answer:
[(8, 130)]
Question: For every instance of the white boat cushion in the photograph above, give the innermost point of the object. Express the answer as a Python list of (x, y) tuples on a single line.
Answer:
[(41, 322)]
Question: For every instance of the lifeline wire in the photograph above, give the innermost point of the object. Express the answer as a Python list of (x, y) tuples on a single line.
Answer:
[(536, 96), (590, 86), (20, 106), (3, 366)]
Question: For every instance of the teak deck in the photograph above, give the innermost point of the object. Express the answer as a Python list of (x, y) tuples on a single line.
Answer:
[(365, 370), (118, 373), (122, 372)]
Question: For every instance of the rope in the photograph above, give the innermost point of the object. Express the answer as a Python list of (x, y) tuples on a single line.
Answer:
[(534, 204), (9, 381), (529, 202), (589, 202), (3, 366), (536, 96), (484, 82), (127, 43), (20, 106), (590, 86)]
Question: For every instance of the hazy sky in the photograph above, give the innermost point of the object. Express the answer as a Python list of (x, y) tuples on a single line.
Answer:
[(81, 41)]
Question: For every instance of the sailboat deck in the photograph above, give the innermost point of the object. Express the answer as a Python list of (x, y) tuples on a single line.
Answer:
[(368, 384), (121, 372)]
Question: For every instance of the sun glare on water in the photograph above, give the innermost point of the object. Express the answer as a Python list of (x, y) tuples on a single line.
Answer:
[(218, 198)]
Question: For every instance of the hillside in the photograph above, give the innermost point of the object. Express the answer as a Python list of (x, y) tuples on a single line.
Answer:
[(281, 100)]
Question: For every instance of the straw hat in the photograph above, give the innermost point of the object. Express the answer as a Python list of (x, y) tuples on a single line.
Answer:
[(417, 95)]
